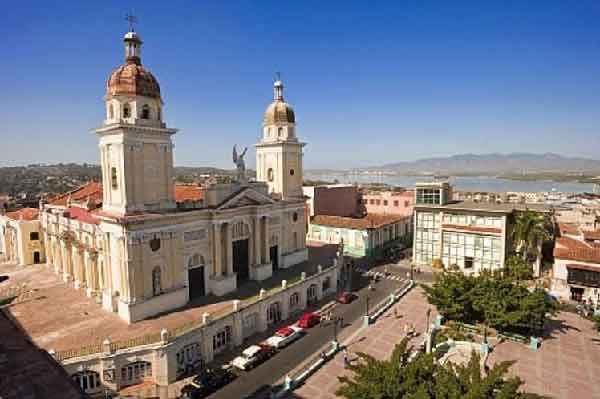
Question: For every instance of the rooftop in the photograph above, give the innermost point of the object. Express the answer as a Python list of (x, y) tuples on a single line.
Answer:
[(370, 221), (505, 208), (58, 317), (24, 214), (577, 250)]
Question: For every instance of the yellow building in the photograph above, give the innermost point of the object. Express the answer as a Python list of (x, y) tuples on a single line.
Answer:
[(143, 246), (20, 237)]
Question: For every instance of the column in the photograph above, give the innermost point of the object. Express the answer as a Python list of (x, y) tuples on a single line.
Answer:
[(77, 267), (88, 272), (256, 240), (228, 249), (58, 260), (66, 261), (217, 246), (266, 240), (47, 249)]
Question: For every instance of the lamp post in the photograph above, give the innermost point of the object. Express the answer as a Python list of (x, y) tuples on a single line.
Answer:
[(428, 314), (368, 299)]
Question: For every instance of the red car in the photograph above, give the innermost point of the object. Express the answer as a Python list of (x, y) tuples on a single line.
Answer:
[(308, 320), (346, 297)]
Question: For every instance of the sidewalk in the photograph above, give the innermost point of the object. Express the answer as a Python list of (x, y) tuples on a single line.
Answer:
[(378, 340)]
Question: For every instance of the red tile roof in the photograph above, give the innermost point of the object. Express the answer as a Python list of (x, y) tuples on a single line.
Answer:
[(83, 215), (93, 190), (572, 249), (188, 193), (591, 235), (371, 221), (568, 228), (24, 214)]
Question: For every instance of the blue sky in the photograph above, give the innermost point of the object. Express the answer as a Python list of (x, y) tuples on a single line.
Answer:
[(371, 82)]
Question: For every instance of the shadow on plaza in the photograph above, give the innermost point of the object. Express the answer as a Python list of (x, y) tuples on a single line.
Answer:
[(557, 326)]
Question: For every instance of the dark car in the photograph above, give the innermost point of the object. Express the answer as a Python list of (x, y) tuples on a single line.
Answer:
[(346, 297), (207, 382)]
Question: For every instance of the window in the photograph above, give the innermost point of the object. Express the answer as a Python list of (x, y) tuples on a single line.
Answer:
[(385, 202), (111, 112), (372, 202), (135, 372), (270, 176), (428, 196), (295, 217), (378, 202), (155, 244), (156, 283), (113, 177), (406, 204), (294, 300), (145, 112), (34, 236), (221, 339), (126, 111), (396, 203), (326, 284), (468, 262), (280, 132), (88, 380), (291, 172)]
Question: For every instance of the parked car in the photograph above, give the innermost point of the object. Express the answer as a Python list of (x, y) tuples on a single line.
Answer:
[(285, 336), (207, 382), (308, 320), (253, 356), (346, 297)]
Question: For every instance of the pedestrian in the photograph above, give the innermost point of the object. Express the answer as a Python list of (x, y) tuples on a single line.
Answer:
[(345, 357), (406, 329), (396, 314)]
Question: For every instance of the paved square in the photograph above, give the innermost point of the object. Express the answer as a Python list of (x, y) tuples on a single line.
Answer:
[(566, 366)]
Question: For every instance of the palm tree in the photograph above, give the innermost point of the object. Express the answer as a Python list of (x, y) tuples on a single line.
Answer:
[(531, 229)]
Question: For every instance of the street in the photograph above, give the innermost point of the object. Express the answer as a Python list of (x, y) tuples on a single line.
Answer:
[(287, 359)]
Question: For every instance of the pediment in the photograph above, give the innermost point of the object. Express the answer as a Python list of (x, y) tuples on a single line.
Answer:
[(246, 197)]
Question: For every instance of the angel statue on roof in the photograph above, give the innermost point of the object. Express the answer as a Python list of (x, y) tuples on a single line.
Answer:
[(238, 160)]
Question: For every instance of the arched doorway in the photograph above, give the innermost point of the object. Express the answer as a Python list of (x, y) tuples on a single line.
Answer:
[(274, 251)]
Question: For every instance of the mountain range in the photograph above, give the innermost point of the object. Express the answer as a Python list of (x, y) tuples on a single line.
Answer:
[(493, 163)]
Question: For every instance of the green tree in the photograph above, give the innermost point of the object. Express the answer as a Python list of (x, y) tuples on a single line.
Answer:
[(451, 295), (425, 378), (516, 268), (530, 230)]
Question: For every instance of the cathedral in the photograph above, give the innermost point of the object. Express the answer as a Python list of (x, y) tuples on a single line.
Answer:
[(142, 245)]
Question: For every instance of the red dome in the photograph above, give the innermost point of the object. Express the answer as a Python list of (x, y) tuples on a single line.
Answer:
[(132, 79)]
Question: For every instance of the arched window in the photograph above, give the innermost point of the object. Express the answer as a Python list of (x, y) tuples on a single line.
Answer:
[(280, 132), (126, 111), (292, 172), (145, 112), (113, 177), (155, 244), (111, 112), (270, 175), (156, 284)]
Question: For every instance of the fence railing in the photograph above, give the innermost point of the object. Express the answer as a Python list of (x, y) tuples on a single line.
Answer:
[(155, 338)]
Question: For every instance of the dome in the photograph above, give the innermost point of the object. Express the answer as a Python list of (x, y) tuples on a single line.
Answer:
[(279, 112), (132, 79)]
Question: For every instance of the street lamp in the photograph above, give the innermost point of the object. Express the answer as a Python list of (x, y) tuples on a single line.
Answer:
[(428, 314)]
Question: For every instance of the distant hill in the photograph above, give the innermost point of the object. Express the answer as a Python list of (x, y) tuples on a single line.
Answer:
[(492, 164)]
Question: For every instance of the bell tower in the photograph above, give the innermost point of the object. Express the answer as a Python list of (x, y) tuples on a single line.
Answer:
[(136, 151), (279, 153)]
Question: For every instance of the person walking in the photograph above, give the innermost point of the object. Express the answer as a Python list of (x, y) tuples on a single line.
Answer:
[(345, 357)]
